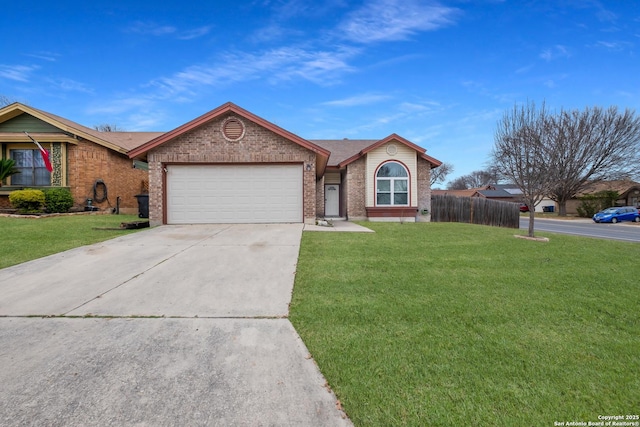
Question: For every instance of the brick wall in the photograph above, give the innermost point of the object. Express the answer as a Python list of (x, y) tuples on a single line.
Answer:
[(424, 188), (4, 201), (355, 184), (206, 144), (89, 162), (320, 198)]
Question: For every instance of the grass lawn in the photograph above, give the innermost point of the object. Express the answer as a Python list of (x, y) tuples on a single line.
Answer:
[(446, 324), (24, 239)]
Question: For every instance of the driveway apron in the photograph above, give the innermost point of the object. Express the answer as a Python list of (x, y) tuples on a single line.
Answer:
[(175, 325)]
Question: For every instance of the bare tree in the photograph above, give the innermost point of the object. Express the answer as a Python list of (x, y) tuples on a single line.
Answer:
[(481, 178), (475, 179), (460, 183), (439, 174), (106, 127), (5, 100), (521, 153), (591, 145)]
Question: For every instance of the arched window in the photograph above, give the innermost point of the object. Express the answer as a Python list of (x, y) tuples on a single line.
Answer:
[(392, 185)]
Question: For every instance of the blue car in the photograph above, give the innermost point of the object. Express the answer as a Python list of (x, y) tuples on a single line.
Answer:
[(614, 215)]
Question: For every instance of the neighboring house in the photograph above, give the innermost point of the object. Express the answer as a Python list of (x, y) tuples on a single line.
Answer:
[(226, 166), (230, 165), (92, 164), (629, 193), (493, 192)]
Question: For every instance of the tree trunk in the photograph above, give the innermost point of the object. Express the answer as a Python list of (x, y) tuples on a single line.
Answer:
[(562, 208), (532, 214)]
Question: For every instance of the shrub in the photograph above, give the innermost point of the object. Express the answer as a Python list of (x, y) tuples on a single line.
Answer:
[(588, 207), (27, 201), (58, 200), (592, 203)]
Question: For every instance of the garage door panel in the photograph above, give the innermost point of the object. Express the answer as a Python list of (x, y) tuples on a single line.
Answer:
[(234, 194)]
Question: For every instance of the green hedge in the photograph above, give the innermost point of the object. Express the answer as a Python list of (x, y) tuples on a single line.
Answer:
[(58, 200), (592, 203), (27, 201)]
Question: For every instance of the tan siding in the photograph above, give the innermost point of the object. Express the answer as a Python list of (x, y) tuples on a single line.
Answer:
[(405, 155), (332, 178)]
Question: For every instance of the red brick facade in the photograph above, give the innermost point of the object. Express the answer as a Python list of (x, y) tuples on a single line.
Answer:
[(355, 186), (88, 162), (206, 144)]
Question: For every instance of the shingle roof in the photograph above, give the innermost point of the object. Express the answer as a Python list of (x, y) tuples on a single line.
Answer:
[(494, 194), (621, 186), (342, 149)]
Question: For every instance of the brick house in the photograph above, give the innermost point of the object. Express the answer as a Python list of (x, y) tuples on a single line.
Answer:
[(226, 166), (93, 165), (230, 165)]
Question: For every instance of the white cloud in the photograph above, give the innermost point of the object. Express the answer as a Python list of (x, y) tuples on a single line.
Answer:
[(45, 56), (69, 85), (194, 33), (413, 107), (524, 69), (281, 64), (557, 51), (151, 28), (19, 73), (614, 46), (390, 20), (364, 99)]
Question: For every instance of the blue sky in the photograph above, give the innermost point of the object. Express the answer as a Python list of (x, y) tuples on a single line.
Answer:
[(440, 74)]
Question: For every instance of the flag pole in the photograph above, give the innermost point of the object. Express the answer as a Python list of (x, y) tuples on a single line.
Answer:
[(43, 153)]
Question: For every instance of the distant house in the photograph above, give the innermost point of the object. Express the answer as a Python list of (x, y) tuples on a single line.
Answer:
[(226, 166), (505, 193), (93, 165), (628, 190)]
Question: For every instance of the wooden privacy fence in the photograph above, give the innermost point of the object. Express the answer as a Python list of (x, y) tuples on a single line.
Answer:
[(475, 210)]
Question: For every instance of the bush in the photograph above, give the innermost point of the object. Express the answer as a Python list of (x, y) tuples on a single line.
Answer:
[(58, 200), (592, 203), (27, 201), (588, 208)]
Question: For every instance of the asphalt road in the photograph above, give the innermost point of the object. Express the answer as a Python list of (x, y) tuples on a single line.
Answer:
[(625, 231)]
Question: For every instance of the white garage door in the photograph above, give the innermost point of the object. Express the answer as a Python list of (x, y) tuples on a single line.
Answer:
[(201, 194)]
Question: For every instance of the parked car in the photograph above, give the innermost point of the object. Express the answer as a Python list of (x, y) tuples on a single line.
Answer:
[(524, 207), (625, 213)]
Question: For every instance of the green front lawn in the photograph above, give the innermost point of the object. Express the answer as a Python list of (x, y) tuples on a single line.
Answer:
[(454, 324), (24, 239)]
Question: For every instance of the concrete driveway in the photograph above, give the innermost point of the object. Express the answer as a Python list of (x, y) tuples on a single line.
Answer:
[(175, 325)]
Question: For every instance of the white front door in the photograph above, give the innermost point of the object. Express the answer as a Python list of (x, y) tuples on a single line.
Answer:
[(332, 200)]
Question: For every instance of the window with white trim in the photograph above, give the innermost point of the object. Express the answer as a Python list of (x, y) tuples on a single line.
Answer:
[(392, 185), (32, 169)]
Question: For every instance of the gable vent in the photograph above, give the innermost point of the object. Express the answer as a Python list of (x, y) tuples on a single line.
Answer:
[(233, 129)]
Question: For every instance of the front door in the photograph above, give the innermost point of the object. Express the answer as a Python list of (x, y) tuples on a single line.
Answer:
[(332, 200)]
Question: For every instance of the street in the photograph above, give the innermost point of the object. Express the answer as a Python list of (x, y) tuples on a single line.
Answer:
[(625, 231)]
